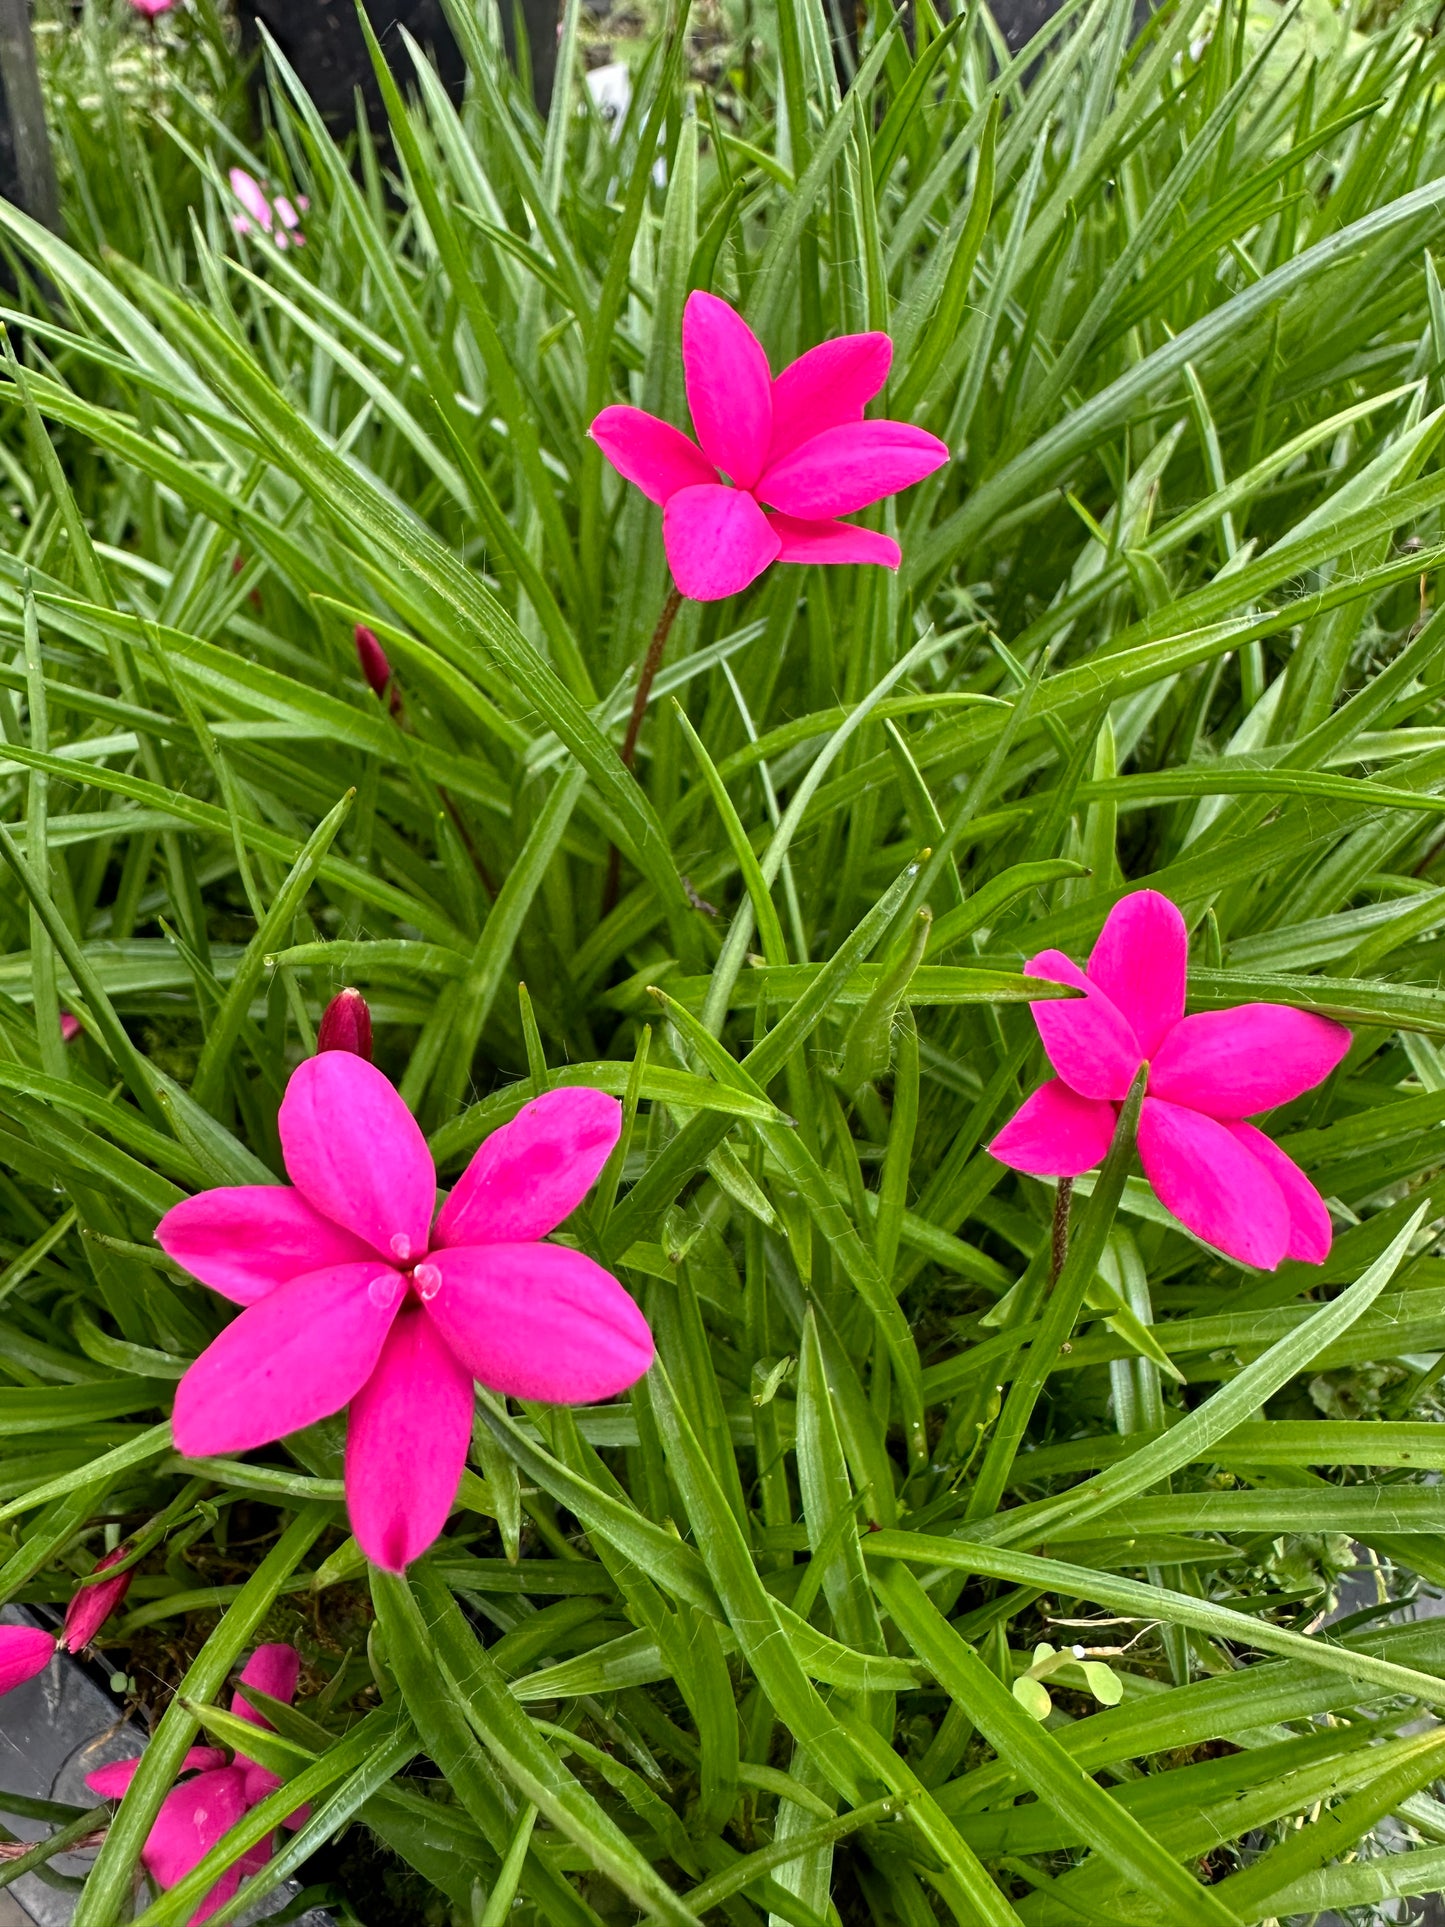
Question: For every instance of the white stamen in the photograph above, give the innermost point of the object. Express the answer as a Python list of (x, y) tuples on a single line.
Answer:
[(428, 1280), (401, 1248)]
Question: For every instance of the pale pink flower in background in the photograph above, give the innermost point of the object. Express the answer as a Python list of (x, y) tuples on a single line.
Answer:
[(24, 1652), (200, 1810), (354, 1296), (346, 1024), (92, 1605), (152, 9), (794, 449), (277, 218), (1225, 1180)]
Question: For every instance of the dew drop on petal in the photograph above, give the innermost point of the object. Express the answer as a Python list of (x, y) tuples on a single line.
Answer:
[(401, 1248), (428, 1281), (384, 1290)]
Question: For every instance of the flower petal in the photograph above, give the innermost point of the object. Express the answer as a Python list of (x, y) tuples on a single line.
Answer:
[(406, 1442), (248, 191), (844, 469), (245, 1239), (532, 1173), (717, 541), (193, 1817), (832, 542), (292, 1358), (1056, 1133), (24, 1652), (1140, 963), (659, 458), (539, 1321), (1310, 1231), (1090, 1044), (1214, 1185), (827, 387), (272, 1669), (113, 1782), (1235, 1063), (357, 1154), (729, 387)]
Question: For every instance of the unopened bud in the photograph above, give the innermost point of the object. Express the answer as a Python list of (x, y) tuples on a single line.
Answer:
[(346, 1025), (372, 657), (70, 1027), (94, 1604)]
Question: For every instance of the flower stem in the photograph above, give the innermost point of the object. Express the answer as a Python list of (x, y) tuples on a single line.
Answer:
[(651, 663), (1063, 1198)]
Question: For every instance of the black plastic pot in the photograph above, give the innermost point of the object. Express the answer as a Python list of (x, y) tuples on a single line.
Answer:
[(323, 42)]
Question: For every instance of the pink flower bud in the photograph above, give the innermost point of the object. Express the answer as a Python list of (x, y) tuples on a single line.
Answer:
[(24, 1652), (70, 1027), (346, 1025), (94, 1604), (372, 657)]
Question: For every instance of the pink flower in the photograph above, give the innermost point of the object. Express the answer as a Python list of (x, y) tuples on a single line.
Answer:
[(1225, 1180), (94, 1604), (70, 1027), (354, 1296), (346, 1024), (197, 1812), (277, 218), (152, 9), (797, 443), (24, 1652)]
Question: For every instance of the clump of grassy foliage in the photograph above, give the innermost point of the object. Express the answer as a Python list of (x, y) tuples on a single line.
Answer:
[(743, 1645)]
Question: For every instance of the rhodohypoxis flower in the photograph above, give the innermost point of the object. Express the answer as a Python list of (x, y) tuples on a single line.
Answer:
[(354, 1296), (795, 451), (1221, 1177), (277, 217), (199, 1810), (26, 1650), (92, 1605), (152, 9), (70, 1027)]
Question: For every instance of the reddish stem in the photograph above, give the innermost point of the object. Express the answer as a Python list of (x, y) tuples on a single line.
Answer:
[(651, 663)]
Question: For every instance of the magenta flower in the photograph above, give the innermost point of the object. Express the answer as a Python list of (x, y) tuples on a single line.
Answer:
[(1225, 1180), (94, 1604), (24, 1652), (795, 450), (354, 1296), (346, 1024), (152, 9), (70, 1027), (198, 1811), (277, 217)]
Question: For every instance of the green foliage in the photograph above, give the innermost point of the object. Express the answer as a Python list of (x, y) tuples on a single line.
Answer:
[(907, 1587)]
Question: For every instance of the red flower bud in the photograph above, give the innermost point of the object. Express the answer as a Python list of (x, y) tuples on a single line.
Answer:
[(346, 1025), (372, 657), (94, 1604)]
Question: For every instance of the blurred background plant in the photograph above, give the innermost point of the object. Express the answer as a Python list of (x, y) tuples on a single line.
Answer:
[(1165, 284)]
